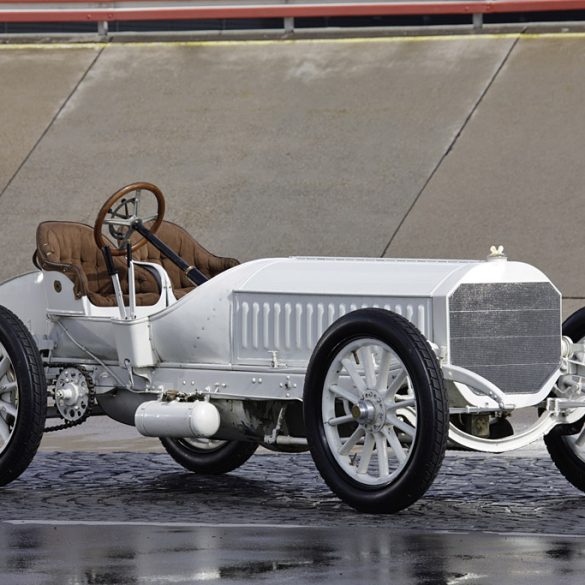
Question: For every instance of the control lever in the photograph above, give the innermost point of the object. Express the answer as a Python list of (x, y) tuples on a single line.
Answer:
[(131, 283), (113, 272)]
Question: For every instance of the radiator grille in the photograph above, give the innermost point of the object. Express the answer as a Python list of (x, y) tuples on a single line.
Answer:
[(509, 333)]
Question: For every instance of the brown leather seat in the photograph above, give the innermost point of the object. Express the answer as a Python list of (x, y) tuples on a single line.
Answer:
[(181, 242), (70, 248)]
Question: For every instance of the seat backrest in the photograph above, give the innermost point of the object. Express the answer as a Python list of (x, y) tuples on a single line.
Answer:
[(70, 248)]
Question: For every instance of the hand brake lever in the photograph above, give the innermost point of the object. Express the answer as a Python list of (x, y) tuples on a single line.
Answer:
[(113, 272)]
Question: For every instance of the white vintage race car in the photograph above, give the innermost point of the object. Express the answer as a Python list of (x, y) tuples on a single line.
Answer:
[(372, 364)]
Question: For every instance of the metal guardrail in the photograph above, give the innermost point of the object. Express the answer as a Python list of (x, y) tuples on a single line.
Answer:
[(107, 11)]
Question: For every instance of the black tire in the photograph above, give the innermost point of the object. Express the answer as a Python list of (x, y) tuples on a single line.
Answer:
[(29, 397), (213, 459), (427, 447), (569, 460)]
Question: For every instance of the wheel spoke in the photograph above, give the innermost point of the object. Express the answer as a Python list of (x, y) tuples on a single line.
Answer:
[(149, 218), (10, 387), (395, 445), (4, 366), (396, 384), (401, 404), (384, 372), (343, 393), (7, 408), (352, 441), (354, 374), (367, 358), (4, 430), (340, 420), (366, 454), (382, 454), (399, 424)]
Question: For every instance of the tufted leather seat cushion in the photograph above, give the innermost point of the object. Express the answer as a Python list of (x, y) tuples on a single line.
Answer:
[(70, 248), (181, 242)]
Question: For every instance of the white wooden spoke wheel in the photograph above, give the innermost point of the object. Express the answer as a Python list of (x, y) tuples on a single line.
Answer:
[(202, 444), (23, 397), (375, 410), (369, 412)]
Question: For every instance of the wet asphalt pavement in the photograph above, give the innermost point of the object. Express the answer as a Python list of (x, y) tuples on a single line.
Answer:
[(472, 492), (133, 518), (131, 555)]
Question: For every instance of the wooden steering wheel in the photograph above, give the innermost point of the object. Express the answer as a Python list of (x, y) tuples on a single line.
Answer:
[(121, 211)]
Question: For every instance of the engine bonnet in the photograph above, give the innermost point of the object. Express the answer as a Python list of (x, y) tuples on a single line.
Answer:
[(489, 316), (377, 276), (496, 318)]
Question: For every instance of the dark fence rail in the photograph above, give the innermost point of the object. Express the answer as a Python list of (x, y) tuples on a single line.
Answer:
[(106, 11)]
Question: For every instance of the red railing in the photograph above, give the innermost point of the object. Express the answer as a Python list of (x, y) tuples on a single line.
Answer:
[(135, 10)]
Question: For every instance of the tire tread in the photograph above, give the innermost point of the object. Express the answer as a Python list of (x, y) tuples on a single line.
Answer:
[(14, 461), (223, 460)]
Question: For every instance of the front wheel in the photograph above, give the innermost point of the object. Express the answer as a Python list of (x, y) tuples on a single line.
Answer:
[(23, 397), (566, 443), (376, 411), (209, 456)]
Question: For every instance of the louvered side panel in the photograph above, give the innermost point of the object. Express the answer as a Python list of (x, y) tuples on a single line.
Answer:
[(292, 326)]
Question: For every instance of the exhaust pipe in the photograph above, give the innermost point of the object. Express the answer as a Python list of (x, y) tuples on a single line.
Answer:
[(177, 419)]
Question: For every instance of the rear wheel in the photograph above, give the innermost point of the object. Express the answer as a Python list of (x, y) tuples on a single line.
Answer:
[(376, 411), (208, 456), (566, 443), (23, 397)]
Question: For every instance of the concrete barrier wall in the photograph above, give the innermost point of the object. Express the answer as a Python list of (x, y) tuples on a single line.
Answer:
[(397, 147)]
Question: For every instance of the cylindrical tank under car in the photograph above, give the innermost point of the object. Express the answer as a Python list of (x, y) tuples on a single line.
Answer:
[(177, 419)]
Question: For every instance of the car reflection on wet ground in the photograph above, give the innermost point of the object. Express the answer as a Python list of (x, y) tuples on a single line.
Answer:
[(61, 554)]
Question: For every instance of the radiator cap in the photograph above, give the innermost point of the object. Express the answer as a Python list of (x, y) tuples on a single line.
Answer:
[(496, 253)]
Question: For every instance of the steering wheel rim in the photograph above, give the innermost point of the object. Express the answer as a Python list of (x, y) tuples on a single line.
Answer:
[(108, 208)]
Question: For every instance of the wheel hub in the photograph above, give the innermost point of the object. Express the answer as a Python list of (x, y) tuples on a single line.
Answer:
[(363, 412), (71, 394), (369, 411)]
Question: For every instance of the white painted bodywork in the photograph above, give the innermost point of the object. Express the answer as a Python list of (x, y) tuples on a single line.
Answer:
[(249, 333), (244, 313), (237, 320)]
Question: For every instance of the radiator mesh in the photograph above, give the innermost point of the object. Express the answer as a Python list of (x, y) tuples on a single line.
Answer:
[(509, 333)]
